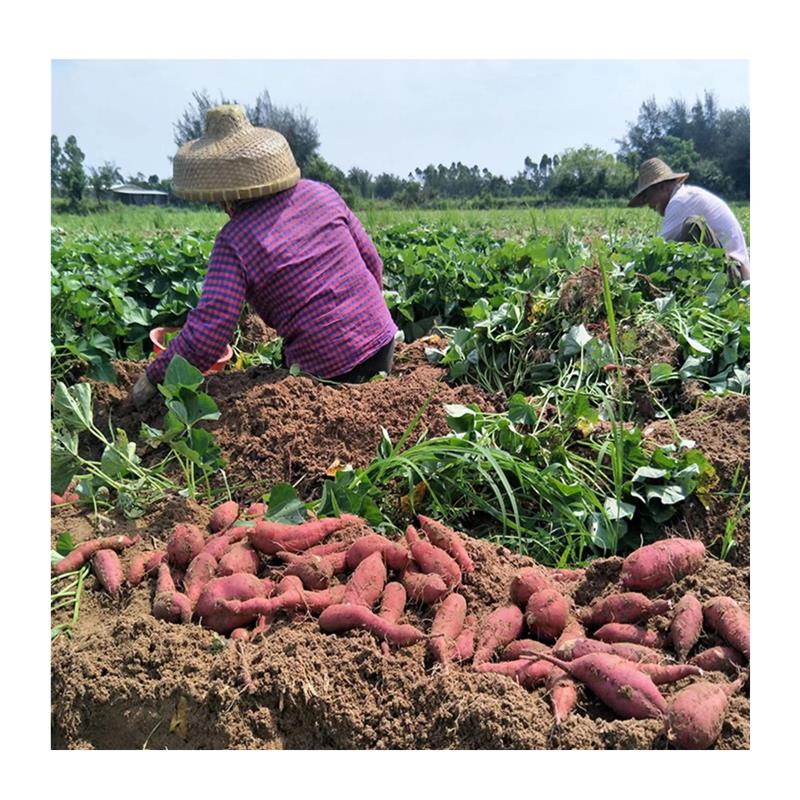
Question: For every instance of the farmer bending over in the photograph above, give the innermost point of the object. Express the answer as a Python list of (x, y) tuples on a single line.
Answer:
[(692, 214), (292, 248)]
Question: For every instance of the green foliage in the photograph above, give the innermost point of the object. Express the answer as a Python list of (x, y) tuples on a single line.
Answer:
[(71, 175)]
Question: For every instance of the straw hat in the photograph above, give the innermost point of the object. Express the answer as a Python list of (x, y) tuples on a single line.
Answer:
[(233, 160), (651, 172)]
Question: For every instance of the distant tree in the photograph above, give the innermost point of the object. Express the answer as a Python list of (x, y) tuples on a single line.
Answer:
[(55, 164), (387, 186), (192, 122), (361, 181), (589, 172), (101, 180), (318, 169), (72, 176)]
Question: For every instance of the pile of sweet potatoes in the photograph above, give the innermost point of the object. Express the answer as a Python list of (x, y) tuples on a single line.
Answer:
[(238, 576)]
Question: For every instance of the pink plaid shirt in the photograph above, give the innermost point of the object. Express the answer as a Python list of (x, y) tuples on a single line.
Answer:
[(305, 264)]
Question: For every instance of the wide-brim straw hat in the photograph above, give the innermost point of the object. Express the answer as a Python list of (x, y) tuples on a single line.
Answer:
[(651, 172), (233, 160)]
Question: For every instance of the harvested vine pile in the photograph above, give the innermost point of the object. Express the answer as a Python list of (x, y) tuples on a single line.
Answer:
[(125, 679)]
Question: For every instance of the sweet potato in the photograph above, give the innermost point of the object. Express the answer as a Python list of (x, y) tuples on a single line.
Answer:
[(497, 630), (134, 575), (662, 563), (686, 625), (577, 648), (573, 630), (463, 648), (614, 632), (696, 713), (220, 543), (526, 582), (394, 553), (83, 552), (201, 570), (426, 589), (521, 647), (255, 510), (393, 604), (316, 602), (170, 605), (184, 544), (626, 607), (345, 617), (367, 581), (669, 673), (240, 635), (730, 621), (446, 627), (329, 548), (432, 559), (108, 570), (546, 614), (720, 659), (153, 561), (526, 672), (448, 540), (626, 690), (271, 537), (240, 558), (65, 499), (567, 575), (563, 693), (224, 516), (316, 572), (210, 605)]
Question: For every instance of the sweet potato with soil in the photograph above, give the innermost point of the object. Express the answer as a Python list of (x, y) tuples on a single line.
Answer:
[(696, 713), (255, 510), (626, 607), (153, 561), (626, 690), (393, 604), (669, 673), (134, 575), (271, 537), (240, 635), (563, 693), (446, 627), (421, 588), (394, 553), (210, 606), (240, 558), (686, 625), (720, 659), (344, 617), (521, 647), (568, 575), (170, 605), (329, 548), (729, 621), (201, 570), (448, 540), (657, 565), (83, 552), (496, 630), (573, 630), (184, 544), (524, 671), (546, 614), (432, 559), (108, 570), (577, 648), (316, 572), (220, 543), (463, 648), (621, 632), (526, 582), (223, 516), (367, 581)]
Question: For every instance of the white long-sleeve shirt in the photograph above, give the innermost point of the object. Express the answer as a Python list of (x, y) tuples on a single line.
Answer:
[(690, 201)]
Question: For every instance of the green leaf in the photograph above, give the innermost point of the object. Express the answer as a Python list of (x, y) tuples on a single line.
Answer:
[(646, 473), (180, 373), (65, 544), (618, 510), (74, 405), (285, 506), (661, 372), (667, 495), (63, 466)]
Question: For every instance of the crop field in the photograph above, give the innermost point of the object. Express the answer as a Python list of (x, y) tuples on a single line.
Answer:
[(568, 390)]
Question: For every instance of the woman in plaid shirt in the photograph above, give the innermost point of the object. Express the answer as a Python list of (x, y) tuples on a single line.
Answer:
[(292, 248)]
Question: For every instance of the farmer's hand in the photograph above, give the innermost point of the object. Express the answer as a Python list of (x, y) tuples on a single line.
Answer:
[(143, 391)]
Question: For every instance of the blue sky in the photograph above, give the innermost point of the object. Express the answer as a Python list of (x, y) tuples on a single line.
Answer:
[(384, 116)]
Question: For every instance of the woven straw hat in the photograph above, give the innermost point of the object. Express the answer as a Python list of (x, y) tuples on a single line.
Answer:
[(651, 172), (233, 160)]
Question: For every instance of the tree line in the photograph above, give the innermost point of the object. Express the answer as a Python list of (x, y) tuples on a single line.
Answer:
[(710, 143)]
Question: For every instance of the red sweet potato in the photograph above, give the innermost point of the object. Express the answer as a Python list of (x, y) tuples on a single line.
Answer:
[(669, 673), (432, 559), (201, 570), (662, 563), (517, 649), (240, 635), (135, 572), (66, 498), (526, 672), (463, 648), (316, 602), (108, 570), (210, 606), (345, 617), (367, 581), (316, 572), (696, 713), (170, 605), (626, 690), (446, 627), (614, 632), (573, 630), (497, 630), (526, 582), (563, 693), (720, 659), (153, 561), (394, 553), (220, 543), (255, 510), (271, 537), (546, 614), (83, 552), (448, 540), (577, 648), (730, 621), (329, 548), (427, 589), (240, 558), (567, 575), (184, 544), (393, 604), (626, 607), (686, 625), (224, 516)]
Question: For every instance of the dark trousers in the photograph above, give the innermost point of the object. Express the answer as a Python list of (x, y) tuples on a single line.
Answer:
[(381, 361)]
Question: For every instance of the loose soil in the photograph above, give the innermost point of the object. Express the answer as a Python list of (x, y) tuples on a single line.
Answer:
[(125, 680)]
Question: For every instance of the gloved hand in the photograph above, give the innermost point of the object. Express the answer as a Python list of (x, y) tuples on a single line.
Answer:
[(143, 391)]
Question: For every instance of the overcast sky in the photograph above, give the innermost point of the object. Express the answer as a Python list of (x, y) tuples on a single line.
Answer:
[(384, 116)]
